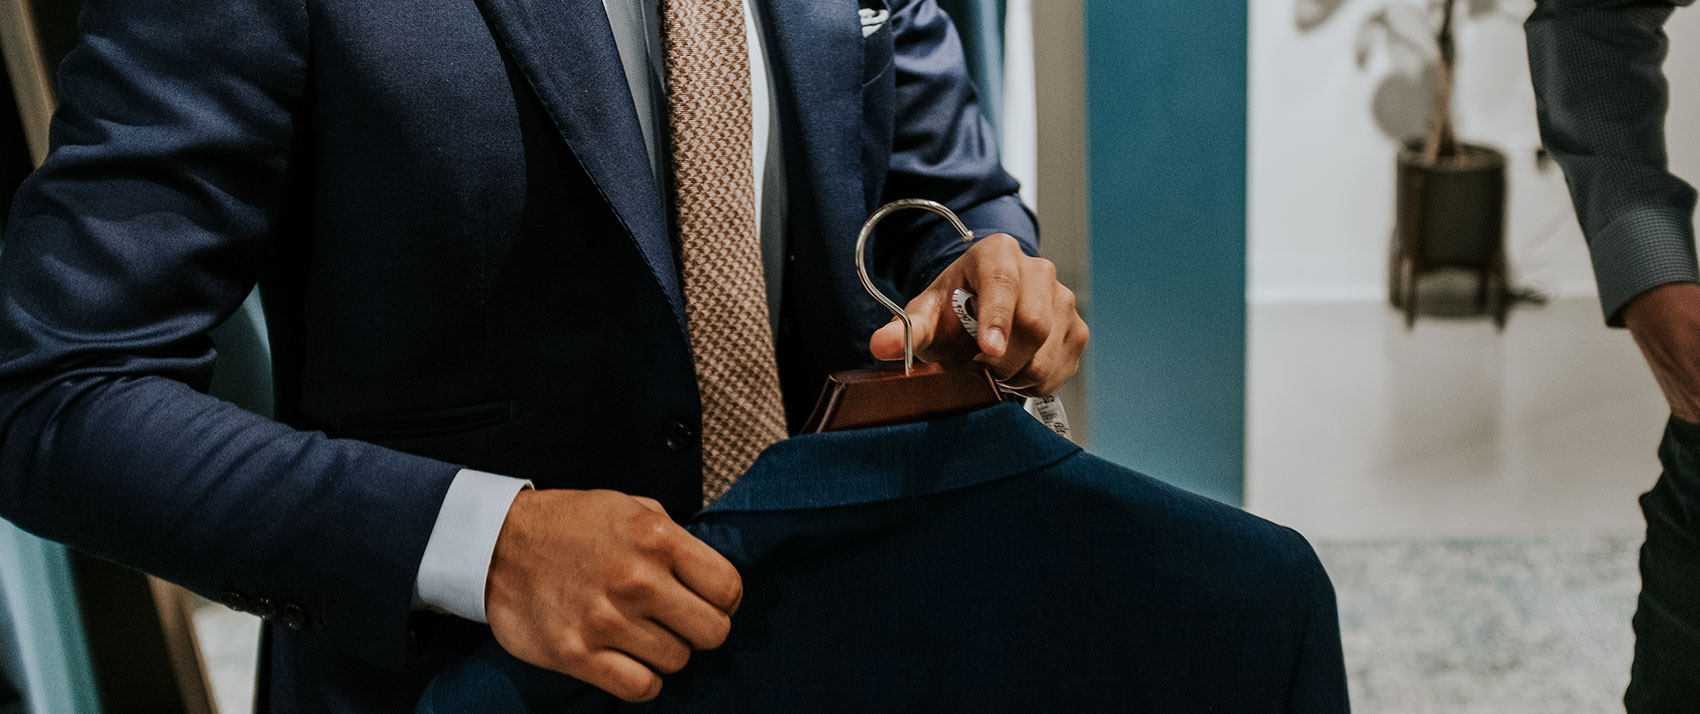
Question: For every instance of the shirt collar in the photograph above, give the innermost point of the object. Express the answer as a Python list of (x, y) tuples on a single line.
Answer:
[(895, 462)]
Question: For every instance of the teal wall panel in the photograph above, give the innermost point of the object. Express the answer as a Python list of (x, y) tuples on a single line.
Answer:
[(47, 632), (1166, 136)]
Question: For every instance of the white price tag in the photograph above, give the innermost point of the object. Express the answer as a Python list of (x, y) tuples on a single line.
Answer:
[(1048, 410)]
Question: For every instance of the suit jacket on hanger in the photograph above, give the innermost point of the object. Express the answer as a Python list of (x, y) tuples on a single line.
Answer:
[(977, 564)]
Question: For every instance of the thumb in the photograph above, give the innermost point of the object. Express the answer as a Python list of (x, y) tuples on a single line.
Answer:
[(887, 342)]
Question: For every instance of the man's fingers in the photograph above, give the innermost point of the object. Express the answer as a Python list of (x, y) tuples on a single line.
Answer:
[(1054, 364), (655, 646), (708, 574), (1059, 359), (995, 279), (703, 625), (1032, 324), (1026, 318), (651, 504), (617, 673)]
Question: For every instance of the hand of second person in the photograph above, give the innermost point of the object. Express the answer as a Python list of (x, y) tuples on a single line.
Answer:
[(1666, 324), (604, 587), (1031, 336)]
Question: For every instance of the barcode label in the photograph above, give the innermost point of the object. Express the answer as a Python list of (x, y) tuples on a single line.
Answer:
[(1048, 410)]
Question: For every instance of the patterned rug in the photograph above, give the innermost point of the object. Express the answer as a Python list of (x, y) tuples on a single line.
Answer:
[(1517, 626)]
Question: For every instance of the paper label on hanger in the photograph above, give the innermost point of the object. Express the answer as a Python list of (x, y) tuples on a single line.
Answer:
[(1048, 410), (959, 302)]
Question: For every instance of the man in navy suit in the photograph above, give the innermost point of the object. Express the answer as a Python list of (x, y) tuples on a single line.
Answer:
[(458, 215)]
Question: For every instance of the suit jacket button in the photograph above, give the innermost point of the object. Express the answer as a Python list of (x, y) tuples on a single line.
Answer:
[(678, 435), (293, 617), (234, 600), (263, 607)]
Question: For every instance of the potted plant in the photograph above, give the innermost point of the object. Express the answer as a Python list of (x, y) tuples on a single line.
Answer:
[(1450, 194)]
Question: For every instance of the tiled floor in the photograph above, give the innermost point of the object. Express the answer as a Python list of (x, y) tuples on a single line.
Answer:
[(1472, 493)]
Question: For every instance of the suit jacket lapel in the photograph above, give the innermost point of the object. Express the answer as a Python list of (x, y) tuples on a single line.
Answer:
[(566, 50)]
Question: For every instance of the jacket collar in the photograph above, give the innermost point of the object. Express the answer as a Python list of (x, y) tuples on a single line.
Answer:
[(895, 462)]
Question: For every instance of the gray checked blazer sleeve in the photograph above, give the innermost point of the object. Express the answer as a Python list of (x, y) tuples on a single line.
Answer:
[(1602, 95)]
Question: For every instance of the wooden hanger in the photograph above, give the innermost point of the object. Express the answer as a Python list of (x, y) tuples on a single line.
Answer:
[(864, 398)]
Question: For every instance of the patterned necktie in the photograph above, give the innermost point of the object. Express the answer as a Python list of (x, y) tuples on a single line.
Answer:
[(708, 69)]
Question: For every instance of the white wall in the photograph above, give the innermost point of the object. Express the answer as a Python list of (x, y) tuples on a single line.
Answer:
[(1683, 68), (1056, 92), (1321, 164), (1021, 117)]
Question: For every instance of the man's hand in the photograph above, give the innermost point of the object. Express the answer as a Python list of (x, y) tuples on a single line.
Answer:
[(1030, 334), (1666, 324), (605, 588)]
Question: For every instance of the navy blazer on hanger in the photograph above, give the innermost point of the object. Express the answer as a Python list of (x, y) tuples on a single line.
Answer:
[(977, 564)]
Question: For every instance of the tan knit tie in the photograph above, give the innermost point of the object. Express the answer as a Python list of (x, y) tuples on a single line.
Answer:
[(708, 70)]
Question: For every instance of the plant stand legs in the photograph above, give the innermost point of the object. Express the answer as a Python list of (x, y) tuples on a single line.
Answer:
[(1408, 281), (1501, 289), (1395, 268)]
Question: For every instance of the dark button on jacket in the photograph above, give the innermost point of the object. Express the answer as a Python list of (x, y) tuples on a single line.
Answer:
[(293, 617), (678, 435), (978, 564)]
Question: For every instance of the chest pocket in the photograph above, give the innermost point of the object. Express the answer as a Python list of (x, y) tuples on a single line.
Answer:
[(877, 39), (879, 89)]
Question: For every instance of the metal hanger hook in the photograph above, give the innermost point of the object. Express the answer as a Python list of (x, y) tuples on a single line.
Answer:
[(868, 282)]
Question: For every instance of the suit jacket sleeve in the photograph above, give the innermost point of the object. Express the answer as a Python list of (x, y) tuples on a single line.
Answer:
[(942, 149), (146, 227), (1319, 675), (1602, 96)]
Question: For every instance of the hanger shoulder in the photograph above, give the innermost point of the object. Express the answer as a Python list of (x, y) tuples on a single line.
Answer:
[(865, 398)]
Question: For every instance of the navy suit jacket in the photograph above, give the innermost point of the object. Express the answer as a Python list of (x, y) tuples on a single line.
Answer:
[(464, 260), (977, 564)]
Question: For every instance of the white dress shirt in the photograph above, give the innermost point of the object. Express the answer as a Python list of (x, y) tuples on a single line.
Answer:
[(453, 572)]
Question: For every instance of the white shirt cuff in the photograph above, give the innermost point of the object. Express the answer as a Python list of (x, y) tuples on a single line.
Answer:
[(457, 557)]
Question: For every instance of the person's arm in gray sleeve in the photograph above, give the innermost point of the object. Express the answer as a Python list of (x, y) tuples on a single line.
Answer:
[(1602, 96)]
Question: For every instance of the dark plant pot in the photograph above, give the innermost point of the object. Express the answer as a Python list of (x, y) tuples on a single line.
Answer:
[(1451, 214)]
